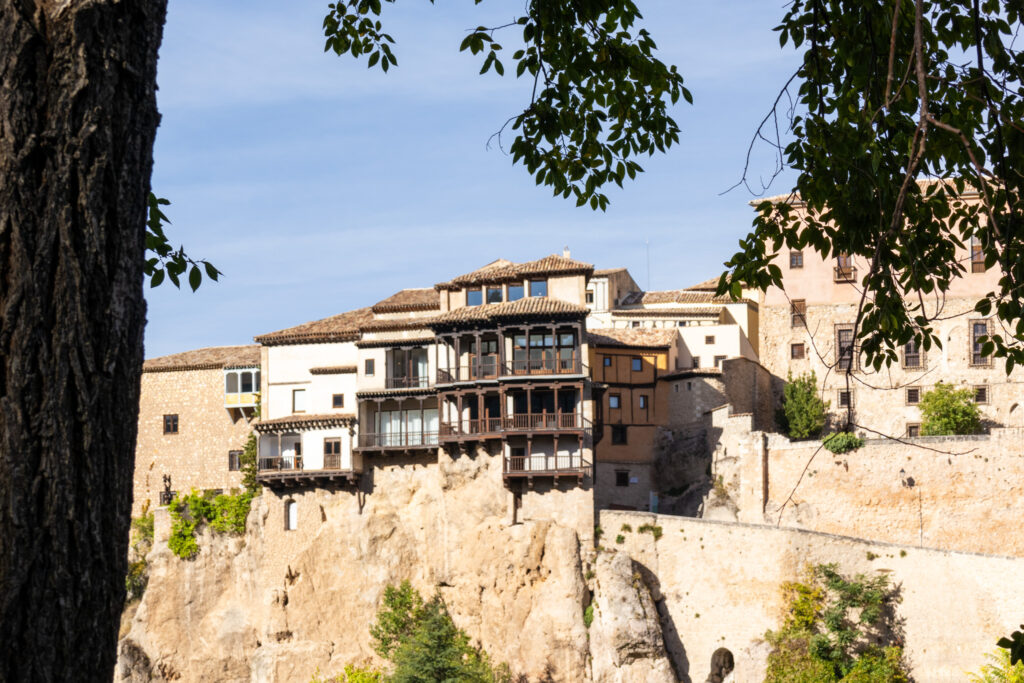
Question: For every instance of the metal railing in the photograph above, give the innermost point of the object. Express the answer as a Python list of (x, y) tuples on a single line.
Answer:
[(288, 462), (413, 382), (418, 439)]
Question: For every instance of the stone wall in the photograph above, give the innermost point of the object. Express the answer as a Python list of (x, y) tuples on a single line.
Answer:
[(717, 585), (197, 456)]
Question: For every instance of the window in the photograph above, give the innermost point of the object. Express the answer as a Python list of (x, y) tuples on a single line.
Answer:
[(234, 461), (689, 386), (332, 453), (797, 313), (844, 347), (845, 398), (696, 361), (368, 367), (981, 394), (718, 361), (912, 357), (710, 339), (913, 430), (643, 402), (913, 396), (474, 297), (538, 287), (681, 323), (845, 272), (607, 361), (291, 515), (635, 323), (614, 401), (796, 259), (796, 351), (298, 400), (979, 329), (298, 447), (636, 364), (515, 292), (338, 401), (590, 297), (494, 295), (977, 256), (618, 434), (170, 424), (622, 477)]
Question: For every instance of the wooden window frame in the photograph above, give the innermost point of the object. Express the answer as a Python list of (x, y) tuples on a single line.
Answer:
[(538, 281), (853, 364), (295, 394), (369, 367), (619, 435), (719, 360), (643, 402), (634, 362), (487, 295), (617, 399), (921, 358), (796, 259), (844, 269), (798, 313), (709, 339), (475, 290), (849, 398), (981, 390), (793, 351), (973, 356), (906, 396), (171, 423), (235, 460), (330, 442), (913, 427), (977, 256), (337, 400), (607, 361), (621, 478)]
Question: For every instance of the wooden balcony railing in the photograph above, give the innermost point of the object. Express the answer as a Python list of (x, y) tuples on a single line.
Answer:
[(404, 440), (517, 423), (414, 382), (845, 273), (488, 425), (544, 366), (485, 368), (291, 470), (527, 465)]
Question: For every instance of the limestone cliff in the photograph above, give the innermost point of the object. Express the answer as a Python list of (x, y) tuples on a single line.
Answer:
[(277, 605)]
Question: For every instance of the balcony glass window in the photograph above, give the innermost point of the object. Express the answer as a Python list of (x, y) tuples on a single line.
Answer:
[(234, 461), (542, 352), (298, 400), (515, 292), (538, 287), (231, 383), (494, 295), (474, 297), (247, 387)]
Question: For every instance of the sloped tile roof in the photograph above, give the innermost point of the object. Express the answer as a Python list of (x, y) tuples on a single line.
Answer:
[(674, 296), (209, 358), (528, 306), (342, 327), (693, 312), (388, 324), (607, 271), (503, 271), (305, 422), (691, 372), (632, 337), (419, 299), (709, 285)]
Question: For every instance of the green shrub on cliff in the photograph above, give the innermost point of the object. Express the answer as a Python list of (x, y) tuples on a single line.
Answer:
[(141, 543), (999, 670), (831, 632), (802, 415), (225, 513)]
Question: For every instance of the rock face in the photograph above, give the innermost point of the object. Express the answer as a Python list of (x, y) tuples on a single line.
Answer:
[(625, 637), (276, 606)]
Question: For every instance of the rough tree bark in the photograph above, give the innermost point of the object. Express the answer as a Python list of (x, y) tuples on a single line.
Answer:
[(77, 121)]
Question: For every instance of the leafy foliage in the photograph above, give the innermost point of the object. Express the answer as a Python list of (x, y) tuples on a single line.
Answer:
[(599, 96), (842, 442), (836, 629), (999, 669), (163, 259), (652, 529), (948, 410), (142, 541), (803, 411), (888, 94), (225, 513), (423, 643), (248, 463), (351, 674), (588, 615)]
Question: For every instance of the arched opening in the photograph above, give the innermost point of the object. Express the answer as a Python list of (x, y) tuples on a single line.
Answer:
[(291, 515), (722, 664), (231, 383)]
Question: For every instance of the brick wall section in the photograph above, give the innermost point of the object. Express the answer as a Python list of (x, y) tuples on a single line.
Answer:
[(195, 457), (718, 585)]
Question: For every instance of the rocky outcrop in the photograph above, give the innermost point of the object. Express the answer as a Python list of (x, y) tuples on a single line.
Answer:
[(625, 636), (276, 606)]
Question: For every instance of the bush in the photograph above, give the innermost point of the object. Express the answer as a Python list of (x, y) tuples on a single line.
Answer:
[(588, 615), (225, 513), (831, 631), (999, 670), (141, 542), (651, 529), (248, 463), (424, 645), (842, 442), (948, 410), (803, 412)]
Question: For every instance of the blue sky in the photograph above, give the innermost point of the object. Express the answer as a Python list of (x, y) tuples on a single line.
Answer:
[(318, 186)]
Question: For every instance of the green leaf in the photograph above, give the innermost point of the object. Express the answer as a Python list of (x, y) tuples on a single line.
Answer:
[(195, 278)]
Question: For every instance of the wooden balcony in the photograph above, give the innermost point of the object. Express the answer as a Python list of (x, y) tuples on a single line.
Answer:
[(414, 382), (485, 369), (290, 471), (543, 366), (400, 441), (526, 423), (472, 430), (541, 465)]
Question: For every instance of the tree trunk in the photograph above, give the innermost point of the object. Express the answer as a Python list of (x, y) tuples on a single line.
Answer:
[(77, 122)]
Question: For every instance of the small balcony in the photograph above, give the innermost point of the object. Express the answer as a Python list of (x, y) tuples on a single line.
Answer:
[(471, 430), (569, 365), (289, 470), (845, 273), (412, 382), (397, 441), (525, 423), (485, 369), (545, 465)]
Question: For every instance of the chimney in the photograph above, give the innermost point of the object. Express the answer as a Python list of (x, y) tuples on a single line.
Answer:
[(565, 252)]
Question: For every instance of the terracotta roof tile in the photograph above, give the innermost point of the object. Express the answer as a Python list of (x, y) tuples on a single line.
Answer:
[(386, 324), (634, 337), (342, 327), (607, 271), (674, 296), (305, 421), (694, 312), (409, 300), (709, 285), (691, 372), (333, 370), (503, 271), (527, 306), (209, 358)]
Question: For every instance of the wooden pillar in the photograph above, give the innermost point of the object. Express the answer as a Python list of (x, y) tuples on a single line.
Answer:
[(458, 357), (558, 413), (459, 409), (501, 351), (478, 361)]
